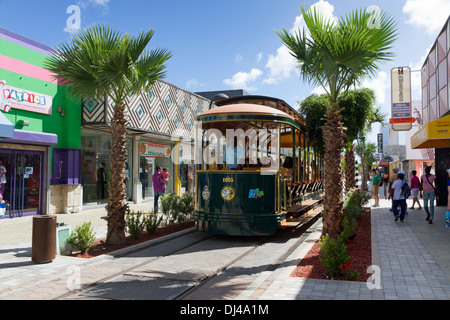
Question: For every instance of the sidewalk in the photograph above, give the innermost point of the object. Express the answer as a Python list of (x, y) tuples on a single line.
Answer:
[(413, 259)]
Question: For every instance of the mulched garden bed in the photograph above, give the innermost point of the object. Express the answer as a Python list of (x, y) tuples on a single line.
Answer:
[(100, 247), (360, 249)]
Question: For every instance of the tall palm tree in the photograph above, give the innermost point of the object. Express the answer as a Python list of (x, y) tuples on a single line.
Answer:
[(100, 61), (335, 55)]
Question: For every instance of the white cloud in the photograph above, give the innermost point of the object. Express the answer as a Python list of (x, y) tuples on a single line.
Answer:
[(282, 64), (324, 7), (194, 84), (416, 76), (318, 90), (430, 15), (244, 80), (238, 58), (85, 3), (259, 57), (379, 85)]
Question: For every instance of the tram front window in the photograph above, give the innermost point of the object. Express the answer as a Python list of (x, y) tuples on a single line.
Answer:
[(240, 146)]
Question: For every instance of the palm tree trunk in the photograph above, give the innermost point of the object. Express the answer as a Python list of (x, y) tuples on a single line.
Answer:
[(333, 135), (350, 168), (117, 206)]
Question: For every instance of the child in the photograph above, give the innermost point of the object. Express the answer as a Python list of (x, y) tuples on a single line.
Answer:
[(166, 175)]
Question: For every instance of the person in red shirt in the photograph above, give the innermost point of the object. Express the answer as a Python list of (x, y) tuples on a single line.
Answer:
[(415, 187)]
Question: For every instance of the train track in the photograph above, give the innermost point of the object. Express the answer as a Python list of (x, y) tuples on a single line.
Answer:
[(143, 278)]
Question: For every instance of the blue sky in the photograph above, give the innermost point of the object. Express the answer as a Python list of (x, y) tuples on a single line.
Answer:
[(221, 45)]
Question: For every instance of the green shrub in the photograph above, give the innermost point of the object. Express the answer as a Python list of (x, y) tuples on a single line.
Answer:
[(186, 205), (83, 237), (349, 226), (177, 209), (135, 224), (334, 258), (169, 205), (151, 221)]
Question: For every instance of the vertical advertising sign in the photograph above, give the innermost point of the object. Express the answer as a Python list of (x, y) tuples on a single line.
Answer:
[(401, 99), (380, 143)]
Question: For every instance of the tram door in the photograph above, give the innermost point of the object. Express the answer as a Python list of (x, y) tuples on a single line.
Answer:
[(21, 180)]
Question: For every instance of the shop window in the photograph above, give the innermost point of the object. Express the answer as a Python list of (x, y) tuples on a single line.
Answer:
[(66, 166)]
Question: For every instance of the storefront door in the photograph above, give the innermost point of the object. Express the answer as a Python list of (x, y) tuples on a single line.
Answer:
[(146, 170), (21, 181)]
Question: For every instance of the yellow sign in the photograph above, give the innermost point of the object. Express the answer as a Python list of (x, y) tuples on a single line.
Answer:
[(436, 134)]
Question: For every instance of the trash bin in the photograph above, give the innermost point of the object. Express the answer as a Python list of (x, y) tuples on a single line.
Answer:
[(43, 247)]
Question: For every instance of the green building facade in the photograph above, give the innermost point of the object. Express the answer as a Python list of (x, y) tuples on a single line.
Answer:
[(40, 128)]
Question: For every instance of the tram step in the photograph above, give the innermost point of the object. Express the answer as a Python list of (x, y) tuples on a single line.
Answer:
[(303, 219), (301, 208)]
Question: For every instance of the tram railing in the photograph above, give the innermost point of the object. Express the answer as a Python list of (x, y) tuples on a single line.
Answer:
[(289, 194)]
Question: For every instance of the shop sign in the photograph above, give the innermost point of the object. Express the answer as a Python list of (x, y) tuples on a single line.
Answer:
[(380, 142), (401, 98), (156, 150), (25, 100)]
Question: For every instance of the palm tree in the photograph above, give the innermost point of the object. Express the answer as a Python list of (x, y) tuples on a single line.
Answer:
[(358, 114), (335, 55), (100, 61)]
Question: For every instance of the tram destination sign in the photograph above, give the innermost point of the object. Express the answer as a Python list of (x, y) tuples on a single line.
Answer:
[(401, 98)]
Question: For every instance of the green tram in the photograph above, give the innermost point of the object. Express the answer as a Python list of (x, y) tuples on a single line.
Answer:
[(258, 171)]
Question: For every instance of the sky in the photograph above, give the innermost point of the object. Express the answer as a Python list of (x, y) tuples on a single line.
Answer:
[(232, 44)]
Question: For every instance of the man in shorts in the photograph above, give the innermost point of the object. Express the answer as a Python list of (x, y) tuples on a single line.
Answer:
[(376, 179)]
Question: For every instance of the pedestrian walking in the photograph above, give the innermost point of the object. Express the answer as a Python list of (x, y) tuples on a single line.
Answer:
[(376, 179), (428, 192), (159, 186), (415, 188), (385, 182), (398, 197), (392, 179)]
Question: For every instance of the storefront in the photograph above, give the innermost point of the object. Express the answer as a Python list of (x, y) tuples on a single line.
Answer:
[(38, 123), (96, 164), (158, 119), (151, 156)]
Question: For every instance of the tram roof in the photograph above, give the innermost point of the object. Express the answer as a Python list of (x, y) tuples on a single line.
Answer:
[(264, 100), (246, 109)]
